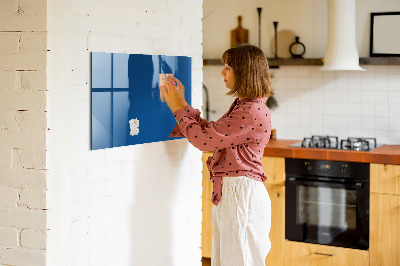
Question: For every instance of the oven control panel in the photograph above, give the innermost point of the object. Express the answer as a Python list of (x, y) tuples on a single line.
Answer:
[(325, 167), (337, 169)]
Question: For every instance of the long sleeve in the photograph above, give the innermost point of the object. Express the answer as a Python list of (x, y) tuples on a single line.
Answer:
[(231, 130), (193, 113)]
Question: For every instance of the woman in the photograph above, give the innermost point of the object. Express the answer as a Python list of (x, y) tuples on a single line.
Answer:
[(242, 208)]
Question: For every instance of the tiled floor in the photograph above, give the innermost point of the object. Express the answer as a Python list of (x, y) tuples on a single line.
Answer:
[(206, 261)]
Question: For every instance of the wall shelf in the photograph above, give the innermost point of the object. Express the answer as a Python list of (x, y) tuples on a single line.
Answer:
[(274, 63), (380, 61)]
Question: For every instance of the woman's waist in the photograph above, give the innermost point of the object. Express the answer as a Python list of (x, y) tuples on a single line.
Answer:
[(232, 169), (260, 176), (238, 179)]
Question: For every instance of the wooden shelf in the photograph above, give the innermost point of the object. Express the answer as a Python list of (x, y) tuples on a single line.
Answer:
[(273, 63), (380, 61)]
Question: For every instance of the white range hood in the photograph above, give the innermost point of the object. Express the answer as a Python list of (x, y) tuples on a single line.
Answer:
[(341, 51)]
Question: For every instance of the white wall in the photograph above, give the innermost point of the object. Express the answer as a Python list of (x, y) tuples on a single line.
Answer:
[(343, 104), (311, 102), (135, 205), (23, 133), (306, 19)]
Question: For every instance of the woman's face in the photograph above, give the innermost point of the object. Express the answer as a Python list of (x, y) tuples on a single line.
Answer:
[(229, 76)]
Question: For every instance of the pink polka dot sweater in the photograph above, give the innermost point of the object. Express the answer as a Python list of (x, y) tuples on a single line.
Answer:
[(238, 139)]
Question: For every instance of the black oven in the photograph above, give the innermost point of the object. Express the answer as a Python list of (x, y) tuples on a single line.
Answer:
[(327, 202)]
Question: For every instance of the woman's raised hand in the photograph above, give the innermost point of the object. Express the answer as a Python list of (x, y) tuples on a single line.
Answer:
[(173, 94), (181, 90)]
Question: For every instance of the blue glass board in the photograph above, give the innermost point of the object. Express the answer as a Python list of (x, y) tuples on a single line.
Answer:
[(127, 107)]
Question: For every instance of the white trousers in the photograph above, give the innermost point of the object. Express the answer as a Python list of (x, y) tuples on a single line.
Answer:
[(241, 223)]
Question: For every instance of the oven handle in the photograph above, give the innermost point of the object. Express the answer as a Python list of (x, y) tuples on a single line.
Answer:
[(357, 185)]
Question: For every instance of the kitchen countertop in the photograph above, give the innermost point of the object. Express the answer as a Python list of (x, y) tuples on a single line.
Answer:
[(389, 154)]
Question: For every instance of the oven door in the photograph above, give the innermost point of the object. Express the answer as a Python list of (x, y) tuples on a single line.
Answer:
[(327, 213)]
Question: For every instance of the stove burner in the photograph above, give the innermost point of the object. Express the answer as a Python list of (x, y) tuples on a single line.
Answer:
[(332, 142), (358, 144), (328, 142)]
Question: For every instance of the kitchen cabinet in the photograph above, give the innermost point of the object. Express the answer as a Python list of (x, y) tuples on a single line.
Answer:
[(206, 226), (277, 233), (384, 245), (385, 230), (385, 215), (385, 178), (384, 221), (274, 168), (305, 254)]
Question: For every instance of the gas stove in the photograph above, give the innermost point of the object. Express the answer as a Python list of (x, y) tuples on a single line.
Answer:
[(332, 142)]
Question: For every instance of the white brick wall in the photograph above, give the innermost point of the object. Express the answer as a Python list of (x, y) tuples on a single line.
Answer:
[(8, 197), (23, 132), (136, 205), (23, 218), (111, 207), (33, 239), (11, 256), (9, 237)]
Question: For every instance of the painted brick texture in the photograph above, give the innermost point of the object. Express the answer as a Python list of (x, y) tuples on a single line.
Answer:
[(9, 237), (33, 239), (23, 132)]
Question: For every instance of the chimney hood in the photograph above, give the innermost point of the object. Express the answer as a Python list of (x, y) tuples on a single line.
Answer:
[(341, 51)]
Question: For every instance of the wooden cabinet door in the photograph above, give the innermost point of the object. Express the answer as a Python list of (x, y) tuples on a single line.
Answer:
[(384, 237), (277, 233), (274, 168), (206, 226), (385, 178), (304, 254)]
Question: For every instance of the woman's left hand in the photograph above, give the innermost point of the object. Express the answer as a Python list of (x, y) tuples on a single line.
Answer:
[(171, 96)]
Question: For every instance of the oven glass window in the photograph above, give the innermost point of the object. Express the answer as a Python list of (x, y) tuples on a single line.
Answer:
[(326, 207)]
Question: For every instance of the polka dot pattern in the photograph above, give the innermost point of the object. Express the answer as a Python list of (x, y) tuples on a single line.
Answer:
[(238, 139)]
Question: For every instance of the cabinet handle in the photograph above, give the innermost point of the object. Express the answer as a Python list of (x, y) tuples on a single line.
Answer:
[(324, 254)]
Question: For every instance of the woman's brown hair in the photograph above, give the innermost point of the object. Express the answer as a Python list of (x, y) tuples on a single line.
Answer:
[(250, 66)]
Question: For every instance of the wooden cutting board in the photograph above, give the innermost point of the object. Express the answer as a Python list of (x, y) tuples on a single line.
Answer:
[(239, 35)]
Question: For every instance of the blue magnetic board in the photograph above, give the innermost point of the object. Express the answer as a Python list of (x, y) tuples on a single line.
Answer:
[(127, 107)]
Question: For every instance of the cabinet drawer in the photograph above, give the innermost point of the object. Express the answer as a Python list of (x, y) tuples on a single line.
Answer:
[(304, 254)]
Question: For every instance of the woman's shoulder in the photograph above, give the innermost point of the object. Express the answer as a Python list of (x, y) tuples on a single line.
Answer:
[(260, 110), (255, 105), (257, 110)]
